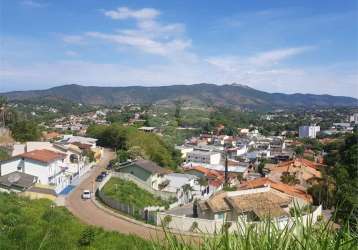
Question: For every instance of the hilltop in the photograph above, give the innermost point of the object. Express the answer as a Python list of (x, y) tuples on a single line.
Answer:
[(204, 94)]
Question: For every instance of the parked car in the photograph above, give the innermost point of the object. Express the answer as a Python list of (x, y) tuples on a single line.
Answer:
[(86, 194), (104, 174), (99, 178)]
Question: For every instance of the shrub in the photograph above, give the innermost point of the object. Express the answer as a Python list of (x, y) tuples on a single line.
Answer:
[(87, 237), (166, 220)]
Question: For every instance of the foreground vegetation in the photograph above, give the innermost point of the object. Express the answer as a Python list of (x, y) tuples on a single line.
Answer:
[(37, 224), (128, 192), (129, 142)]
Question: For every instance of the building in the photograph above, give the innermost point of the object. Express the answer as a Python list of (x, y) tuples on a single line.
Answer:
[(246, 205), (304, 170), (204, 156), (148, 129), (299, 195), (354, 118), (48, 166), (16, 182), (146, 171), (76, 162), (308, 131), (184, 150), (186, 187)]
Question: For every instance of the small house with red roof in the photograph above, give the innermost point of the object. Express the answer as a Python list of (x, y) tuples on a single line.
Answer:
[(48, 166)]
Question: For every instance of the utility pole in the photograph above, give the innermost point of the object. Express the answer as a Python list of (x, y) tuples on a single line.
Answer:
[(226, 168)]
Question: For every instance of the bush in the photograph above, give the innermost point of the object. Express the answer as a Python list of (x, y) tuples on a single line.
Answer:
[(166, 220), (87, 237)]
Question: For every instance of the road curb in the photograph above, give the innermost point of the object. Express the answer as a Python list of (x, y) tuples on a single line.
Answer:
[(156, 228)]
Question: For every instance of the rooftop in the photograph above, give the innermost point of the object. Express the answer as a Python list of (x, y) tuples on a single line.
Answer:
[(279, 186), (43, 155), (18, 179), (149, 166)]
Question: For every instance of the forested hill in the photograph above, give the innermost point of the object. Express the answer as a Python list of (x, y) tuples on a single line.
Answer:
[(198, 94)]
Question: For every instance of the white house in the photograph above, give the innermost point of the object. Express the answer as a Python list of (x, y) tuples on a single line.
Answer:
[(48, 166), (184, 150), (186, 187), (204, 156), (77, 164), (71, 139), (308, 131)]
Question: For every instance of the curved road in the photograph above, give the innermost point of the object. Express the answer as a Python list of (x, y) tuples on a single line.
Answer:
[(89, 213)]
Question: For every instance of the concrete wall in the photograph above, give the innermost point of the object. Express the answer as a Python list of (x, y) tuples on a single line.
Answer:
[(137, 171), (183, 223), (143, 185)]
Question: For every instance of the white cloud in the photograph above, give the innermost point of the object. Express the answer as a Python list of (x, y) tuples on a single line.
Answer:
[(73, 39), (275, 56), (122, 13), (71, 53), (149, 35), (33, 4)]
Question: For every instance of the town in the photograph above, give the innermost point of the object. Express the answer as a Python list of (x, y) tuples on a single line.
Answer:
[(195, 179), (178, 125)]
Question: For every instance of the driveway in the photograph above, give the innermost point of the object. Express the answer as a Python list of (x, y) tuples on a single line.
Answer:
[(89, 213)]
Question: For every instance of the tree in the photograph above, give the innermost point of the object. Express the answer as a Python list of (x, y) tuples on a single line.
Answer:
[(177, 113), (25, 131), (289, 178), (122, 155), (345, 173), (87, 237), (261, 167), (299, 150)]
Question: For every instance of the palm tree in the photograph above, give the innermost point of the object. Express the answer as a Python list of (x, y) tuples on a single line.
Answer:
[(5, 112), (187, 189)]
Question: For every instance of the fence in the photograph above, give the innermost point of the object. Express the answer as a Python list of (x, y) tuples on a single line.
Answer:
[(138, 213), (144, 185), (183, 223)]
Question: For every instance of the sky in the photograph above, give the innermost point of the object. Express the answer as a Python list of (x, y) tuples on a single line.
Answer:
[(273, 45)]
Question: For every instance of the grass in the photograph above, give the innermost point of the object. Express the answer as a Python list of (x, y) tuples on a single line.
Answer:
[(320, 236), (37, 224), (129, 193)]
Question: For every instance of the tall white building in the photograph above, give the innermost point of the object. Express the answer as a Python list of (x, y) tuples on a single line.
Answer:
[(203, 156), (308, 131), (354, 118)]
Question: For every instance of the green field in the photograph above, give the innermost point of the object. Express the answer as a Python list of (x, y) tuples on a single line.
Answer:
[(37, 224), (129, 193)]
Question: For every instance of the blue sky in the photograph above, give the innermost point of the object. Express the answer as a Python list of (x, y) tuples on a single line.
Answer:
[(275, 46)]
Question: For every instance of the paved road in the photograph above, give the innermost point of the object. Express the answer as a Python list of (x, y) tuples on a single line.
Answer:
[(89, 213)]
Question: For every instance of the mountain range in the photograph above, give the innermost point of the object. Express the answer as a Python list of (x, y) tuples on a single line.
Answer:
[(204, 94)]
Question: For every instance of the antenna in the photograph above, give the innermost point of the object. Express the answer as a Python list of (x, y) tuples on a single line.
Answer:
[(13, 178)]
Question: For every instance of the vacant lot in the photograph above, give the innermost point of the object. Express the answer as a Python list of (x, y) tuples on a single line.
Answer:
[(129, 193)]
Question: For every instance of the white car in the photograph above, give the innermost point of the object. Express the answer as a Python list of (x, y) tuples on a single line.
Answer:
[(86, 194)]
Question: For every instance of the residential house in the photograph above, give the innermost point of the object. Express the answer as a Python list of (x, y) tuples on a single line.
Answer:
[(48, 166), (16, 182), (204, 156), (304, 170), (300, 195), (76, 162), (184, 150), (186, 187), (146, 171), (246, 205)]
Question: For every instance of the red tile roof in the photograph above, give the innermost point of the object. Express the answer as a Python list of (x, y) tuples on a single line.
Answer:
[(43, 155), (215, 178), (284, 188)]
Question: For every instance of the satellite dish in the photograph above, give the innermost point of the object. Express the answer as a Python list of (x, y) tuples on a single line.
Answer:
[(14, 177)]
